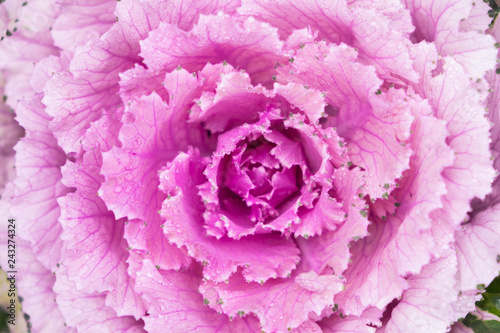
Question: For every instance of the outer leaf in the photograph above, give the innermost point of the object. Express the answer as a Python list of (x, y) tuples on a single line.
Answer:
[(88, 312), (34, 285), (427, 304), (79, 20), (478, 245), (215, 39), (372, 131), (400, 244), (96, 251), (174, 302), (155, 133), (339, 323), (440, 21), (337, 23), (77, 98), (10, 133), (279, 304), (38, 184), (462, 108)]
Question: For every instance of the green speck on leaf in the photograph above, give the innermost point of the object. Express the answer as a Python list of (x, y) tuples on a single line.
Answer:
[(385, 196), (224, 63), (383, 217), (397, 204), (349, 164), (205, 301), (386, 186), (241, 313), (341, 144), (363, 212), (291, 60), (179, 67), (158, 267), (25, 3), (4, 98), (8, 33), (378, 92)]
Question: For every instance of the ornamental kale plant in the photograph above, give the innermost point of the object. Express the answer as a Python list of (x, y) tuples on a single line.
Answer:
[(250, 165)]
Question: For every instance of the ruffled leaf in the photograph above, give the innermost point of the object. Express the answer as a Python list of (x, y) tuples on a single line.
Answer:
[(367, 322), (462, 108), (369, 124), (174, 302), (280, 304), (222, 257), (427, 304), (395, 239), (440, 22), (215, 39), (359, 27), (77, 98), (88, 312), (330, 252), (38, 184), (34, 285), (96, 251), (79, 20), (478, 245), (153, 134)]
